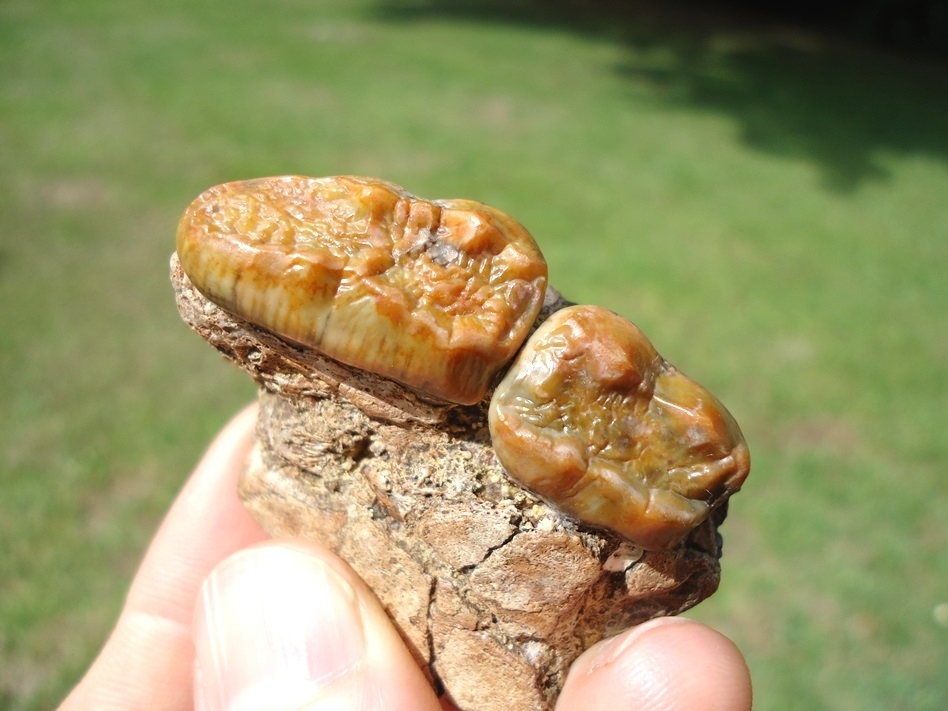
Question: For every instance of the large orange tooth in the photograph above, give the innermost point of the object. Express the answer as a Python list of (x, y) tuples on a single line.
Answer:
[(436, 295)]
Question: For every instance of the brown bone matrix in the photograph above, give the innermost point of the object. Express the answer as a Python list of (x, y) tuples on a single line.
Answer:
[(494, 590)]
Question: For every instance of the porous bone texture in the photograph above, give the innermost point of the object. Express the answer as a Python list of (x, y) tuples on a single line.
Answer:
[(494, 591)]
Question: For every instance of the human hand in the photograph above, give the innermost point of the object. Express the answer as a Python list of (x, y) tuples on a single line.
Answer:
[(220, 618)]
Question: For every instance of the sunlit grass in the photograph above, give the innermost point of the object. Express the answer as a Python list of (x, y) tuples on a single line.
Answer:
[(772, 213)]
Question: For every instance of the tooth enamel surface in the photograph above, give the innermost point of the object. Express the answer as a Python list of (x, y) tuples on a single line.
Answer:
[(591, 418), (437, 295)]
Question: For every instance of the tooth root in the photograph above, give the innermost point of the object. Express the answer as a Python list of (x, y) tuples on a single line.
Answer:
[(360, 270), (593, 420)]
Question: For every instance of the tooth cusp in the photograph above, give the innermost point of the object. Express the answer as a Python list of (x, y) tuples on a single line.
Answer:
[(592, 419)]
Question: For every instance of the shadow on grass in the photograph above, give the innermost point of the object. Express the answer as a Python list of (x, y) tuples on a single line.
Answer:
[(792, 93)]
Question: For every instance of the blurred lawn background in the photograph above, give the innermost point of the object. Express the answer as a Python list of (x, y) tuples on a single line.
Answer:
[(769, 205)]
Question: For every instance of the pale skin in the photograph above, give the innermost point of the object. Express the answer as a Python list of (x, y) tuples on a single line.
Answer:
[(185, 607)]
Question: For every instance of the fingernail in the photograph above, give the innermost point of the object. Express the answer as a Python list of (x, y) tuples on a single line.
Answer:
[(273, 626)]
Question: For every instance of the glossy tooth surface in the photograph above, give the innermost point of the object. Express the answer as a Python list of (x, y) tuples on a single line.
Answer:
[(591, 418), (437, 295)]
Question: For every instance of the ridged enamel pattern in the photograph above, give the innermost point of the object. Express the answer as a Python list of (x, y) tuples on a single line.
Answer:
[(438, 295), (591, 418)]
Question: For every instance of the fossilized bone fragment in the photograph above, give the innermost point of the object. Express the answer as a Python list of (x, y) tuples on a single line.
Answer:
[(376, 325)]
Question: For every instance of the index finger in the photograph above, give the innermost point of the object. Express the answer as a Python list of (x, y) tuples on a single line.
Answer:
[(147, 661)]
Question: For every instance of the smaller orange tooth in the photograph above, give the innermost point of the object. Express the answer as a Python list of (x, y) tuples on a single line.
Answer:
[(591, 418)]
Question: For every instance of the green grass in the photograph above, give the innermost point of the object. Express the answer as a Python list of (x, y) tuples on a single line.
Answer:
[(770, 207)]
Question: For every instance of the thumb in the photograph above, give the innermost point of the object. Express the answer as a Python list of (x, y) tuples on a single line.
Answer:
[(662, 665), (287, 625)]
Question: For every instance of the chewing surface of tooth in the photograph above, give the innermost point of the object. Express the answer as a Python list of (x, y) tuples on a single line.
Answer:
[(594, 420), (437, 295)]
